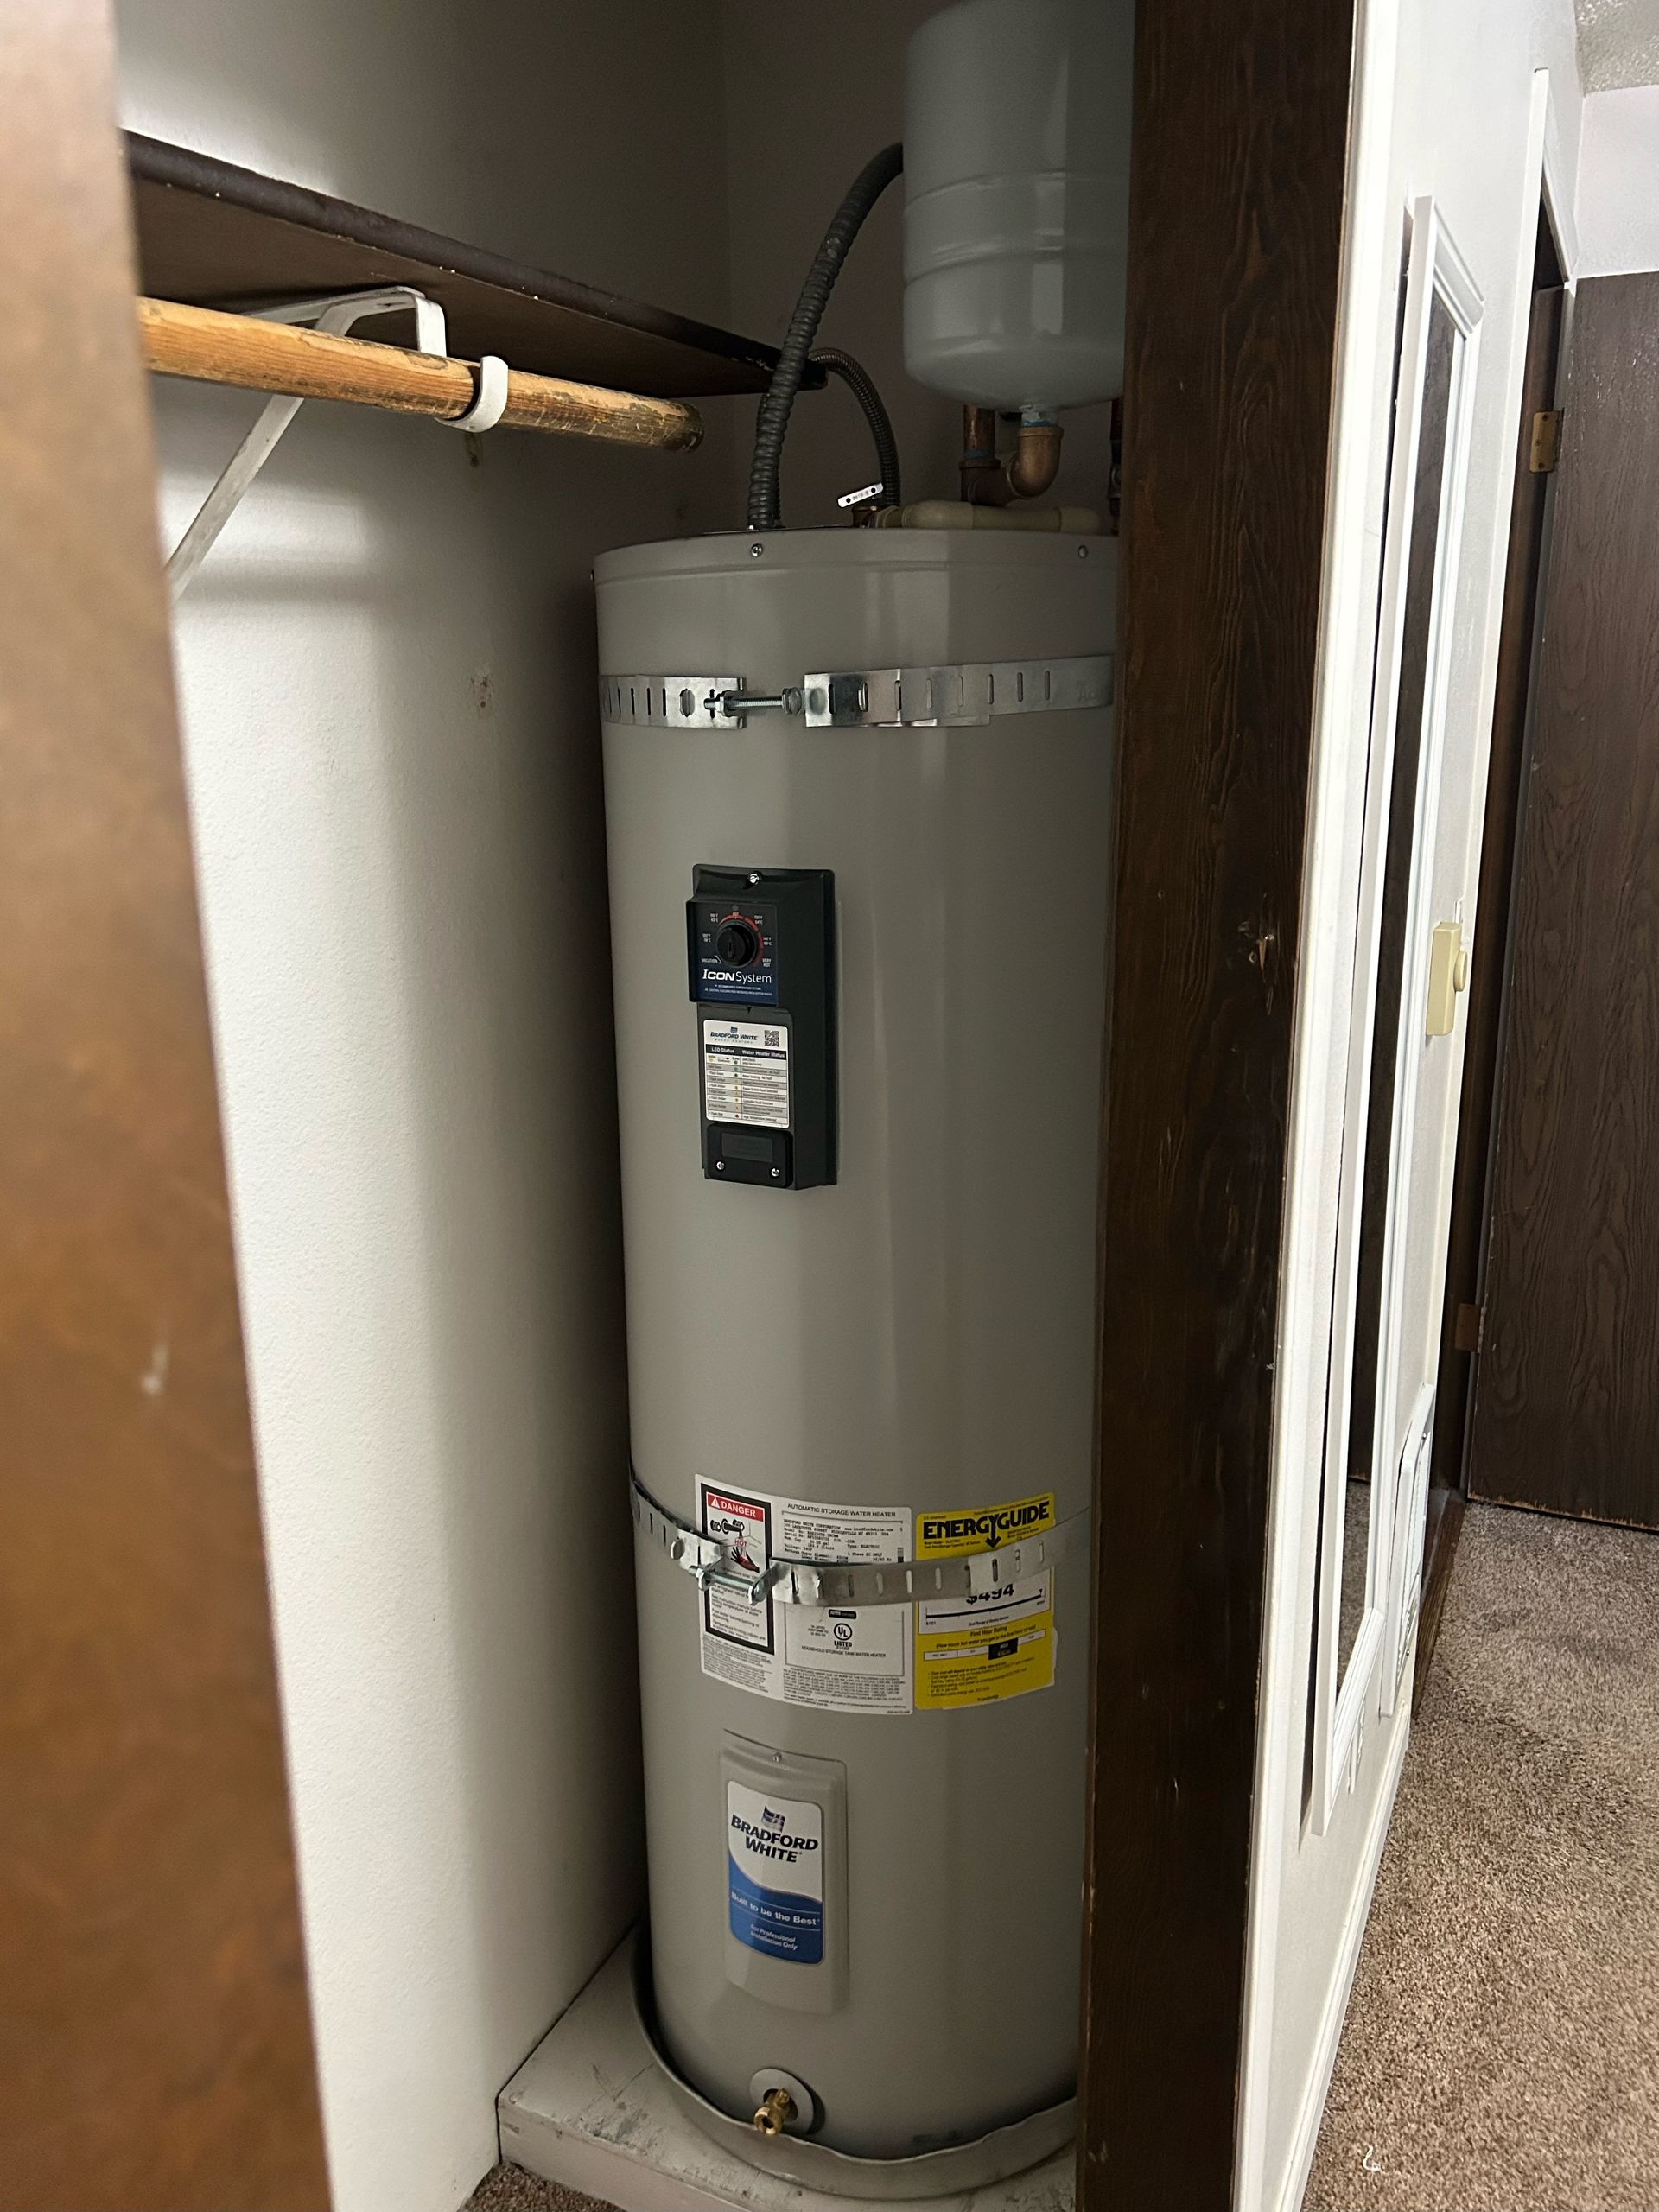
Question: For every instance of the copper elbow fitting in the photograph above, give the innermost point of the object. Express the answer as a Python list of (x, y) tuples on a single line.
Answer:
[(1029, 471), (1036, 460)]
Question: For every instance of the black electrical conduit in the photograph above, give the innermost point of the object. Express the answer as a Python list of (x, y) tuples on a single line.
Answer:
[(858, 380), (773, 421)]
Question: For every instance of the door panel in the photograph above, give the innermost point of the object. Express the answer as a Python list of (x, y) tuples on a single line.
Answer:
[(1567, 1401), (1466, 1238), (154, 2040)]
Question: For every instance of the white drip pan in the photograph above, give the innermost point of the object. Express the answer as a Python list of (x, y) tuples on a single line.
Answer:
[(592, 2107)]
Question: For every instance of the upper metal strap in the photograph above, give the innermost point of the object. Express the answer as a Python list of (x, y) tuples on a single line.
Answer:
[(853, 1582), (957, 697), (670, 701)]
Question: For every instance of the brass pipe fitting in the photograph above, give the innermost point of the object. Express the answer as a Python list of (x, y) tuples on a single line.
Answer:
[(978, 463), (1036, 460), (777, 2109), (1028, 472)]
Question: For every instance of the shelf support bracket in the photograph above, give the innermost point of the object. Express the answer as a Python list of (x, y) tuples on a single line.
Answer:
[(336, 313)]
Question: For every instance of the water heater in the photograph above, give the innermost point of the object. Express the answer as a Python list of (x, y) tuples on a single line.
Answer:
[(857, 796)]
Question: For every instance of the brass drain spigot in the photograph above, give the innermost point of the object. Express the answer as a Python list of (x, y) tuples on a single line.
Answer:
[(777, 2109)]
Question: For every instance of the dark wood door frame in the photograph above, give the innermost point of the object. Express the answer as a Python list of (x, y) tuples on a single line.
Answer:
[(155, 2037), (1237, 192), (1489, 955)]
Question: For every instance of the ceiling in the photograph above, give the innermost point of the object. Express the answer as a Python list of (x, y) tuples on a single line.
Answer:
[(1618, 43)]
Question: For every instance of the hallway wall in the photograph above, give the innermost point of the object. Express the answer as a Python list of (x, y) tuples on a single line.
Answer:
[(1619, 182)]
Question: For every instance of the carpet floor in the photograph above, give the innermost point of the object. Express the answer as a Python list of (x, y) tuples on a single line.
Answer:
[(1501, 2052), (509, 2189)]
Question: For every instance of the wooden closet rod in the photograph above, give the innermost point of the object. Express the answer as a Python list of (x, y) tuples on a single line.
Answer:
[(255, 356)]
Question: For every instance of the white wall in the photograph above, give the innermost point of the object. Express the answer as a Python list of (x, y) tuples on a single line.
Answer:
[(387, 676), (1619, 183), (1446, 104)]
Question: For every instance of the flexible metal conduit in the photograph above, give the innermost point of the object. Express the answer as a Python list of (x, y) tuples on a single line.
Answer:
[(859, 382), (771, 424)]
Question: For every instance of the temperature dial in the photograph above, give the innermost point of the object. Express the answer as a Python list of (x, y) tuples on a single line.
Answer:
[(738, 944)]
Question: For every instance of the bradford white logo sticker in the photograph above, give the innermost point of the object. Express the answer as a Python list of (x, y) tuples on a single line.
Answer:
[(775, 1874)]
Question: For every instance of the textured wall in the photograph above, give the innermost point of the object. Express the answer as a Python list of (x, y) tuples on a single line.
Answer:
[(1618, 43), (1619, 182), (387, 674)]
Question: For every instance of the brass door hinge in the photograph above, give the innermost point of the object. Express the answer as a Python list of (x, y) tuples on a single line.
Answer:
[(1545, 441), (1465, 1328)]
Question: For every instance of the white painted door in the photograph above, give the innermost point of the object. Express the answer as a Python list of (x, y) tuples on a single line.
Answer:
[(1424, 423)]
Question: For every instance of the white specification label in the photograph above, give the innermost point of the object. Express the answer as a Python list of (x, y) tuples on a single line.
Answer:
[(838, 1658), (746, 1072), (847, 1658)]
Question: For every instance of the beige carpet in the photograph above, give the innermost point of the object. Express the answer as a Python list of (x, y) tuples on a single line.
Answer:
[(509, 2189), (1501, 2049)]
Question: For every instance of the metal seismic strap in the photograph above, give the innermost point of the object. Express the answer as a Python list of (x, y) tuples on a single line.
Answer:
[(962, 695), (855, 1582)]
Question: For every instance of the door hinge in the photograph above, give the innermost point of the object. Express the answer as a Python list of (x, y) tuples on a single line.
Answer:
[(1545, 441), (1465, 1328)]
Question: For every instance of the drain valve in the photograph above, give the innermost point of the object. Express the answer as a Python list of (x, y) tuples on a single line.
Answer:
[(782, 2104), (776, 2110)]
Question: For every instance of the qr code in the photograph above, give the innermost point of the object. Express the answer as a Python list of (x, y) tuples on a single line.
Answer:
[(773, 1037)]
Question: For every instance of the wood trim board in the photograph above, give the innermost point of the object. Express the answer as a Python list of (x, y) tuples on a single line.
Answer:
[(1236, 192), (211, 233)]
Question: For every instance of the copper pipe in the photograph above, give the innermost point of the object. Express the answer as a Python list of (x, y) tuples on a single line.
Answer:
[(1028, 472), (978, 453)]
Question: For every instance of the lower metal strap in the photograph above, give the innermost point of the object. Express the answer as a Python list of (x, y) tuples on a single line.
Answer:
[(854, 1582)]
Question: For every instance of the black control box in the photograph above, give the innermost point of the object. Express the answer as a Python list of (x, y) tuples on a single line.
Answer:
[(761, 947)]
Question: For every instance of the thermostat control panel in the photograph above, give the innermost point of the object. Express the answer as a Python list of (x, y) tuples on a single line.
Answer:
[(760, 945)]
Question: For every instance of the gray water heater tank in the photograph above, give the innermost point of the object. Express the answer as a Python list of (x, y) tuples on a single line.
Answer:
[(857, 792)]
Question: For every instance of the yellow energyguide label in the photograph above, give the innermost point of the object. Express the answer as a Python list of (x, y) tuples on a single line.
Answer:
[(983, 1645)]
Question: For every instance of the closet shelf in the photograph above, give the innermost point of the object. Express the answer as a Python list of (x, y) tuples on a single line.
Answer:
[(210, 234)]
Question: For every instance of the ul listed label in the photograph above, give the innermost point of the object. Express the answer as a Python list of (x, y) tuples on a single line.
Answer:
[(848, 1659)]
